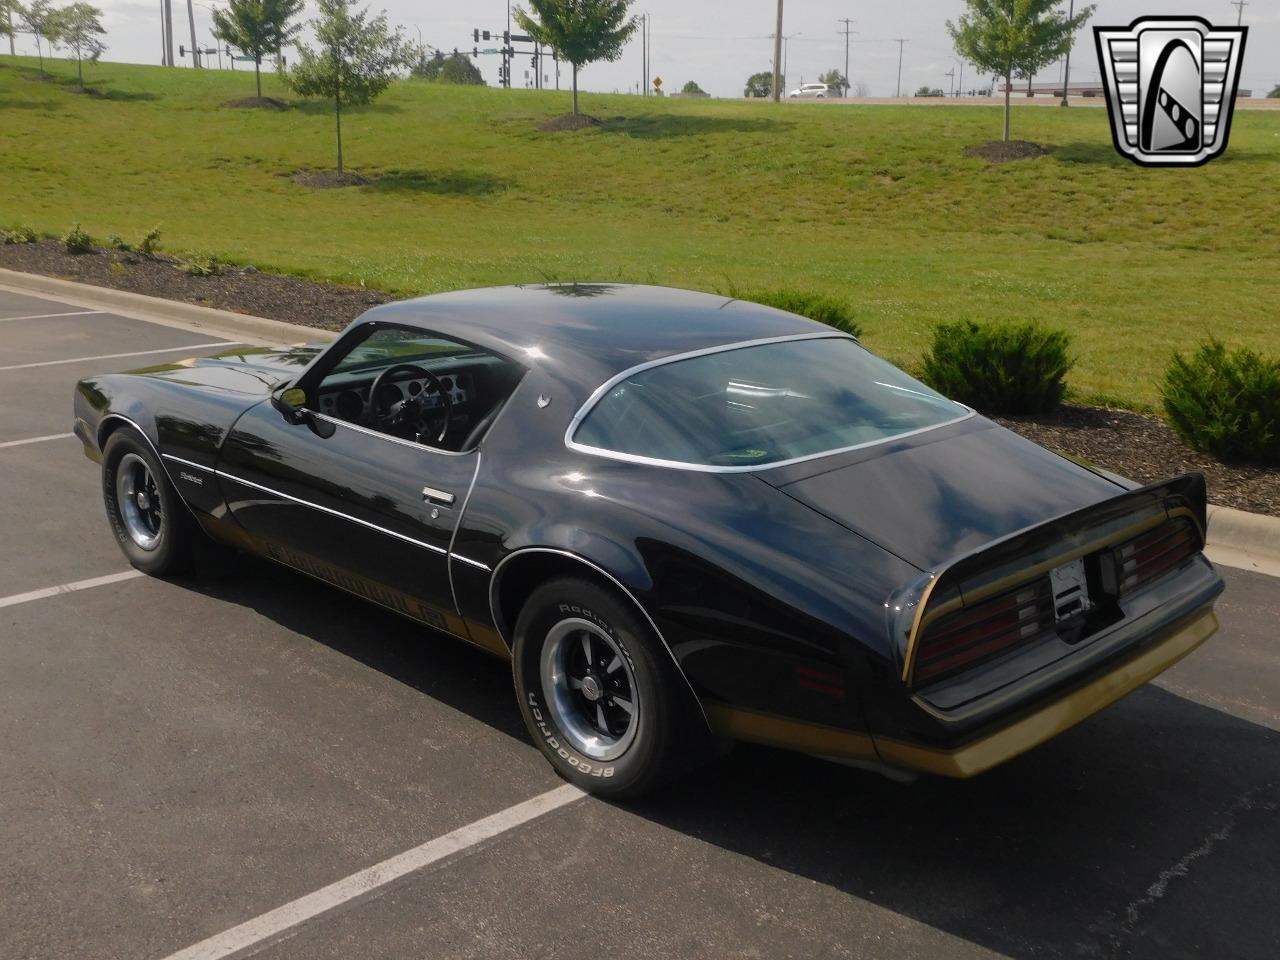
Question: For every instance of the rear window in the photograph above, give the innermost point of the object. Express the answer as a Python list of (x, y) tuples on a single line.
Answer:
[(764, 404)]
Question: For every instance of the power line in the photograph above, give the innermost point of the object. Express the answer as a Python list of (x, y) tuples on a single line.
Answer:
[(1239, 5)]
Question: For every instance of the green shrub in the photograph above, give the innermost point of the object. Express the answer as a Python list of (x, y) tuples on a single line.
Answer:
[(201, 265), (999, 368), (19, 234), (150, 242), (1226, 404), (815, 306), (76, 240), (117, 242)]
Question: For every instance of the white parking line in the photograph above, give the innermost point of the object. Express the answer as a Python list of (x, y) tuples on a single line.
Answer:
[(20, 443), (44, 592), (50, 316), (271, 925), (116, 356)]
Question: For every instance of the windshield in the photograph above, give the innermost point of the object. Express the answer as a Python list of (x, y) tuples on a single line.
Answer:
[(763, 404)]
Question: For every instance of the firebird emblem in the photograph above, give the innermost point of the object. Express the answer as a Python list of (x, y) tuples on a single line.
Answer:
[(1171, 86)]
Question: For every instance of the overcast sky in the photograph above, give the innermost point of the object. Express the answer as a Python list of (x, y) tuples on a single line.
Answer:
[(720, 44)]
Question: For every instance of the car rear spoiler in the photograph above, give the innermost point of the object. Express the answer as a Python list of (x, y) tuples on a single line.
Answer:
[(1023, 556)]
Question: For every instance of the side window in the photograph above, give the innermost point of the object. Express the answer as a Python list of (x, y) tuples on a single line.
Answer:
[(417, 385)]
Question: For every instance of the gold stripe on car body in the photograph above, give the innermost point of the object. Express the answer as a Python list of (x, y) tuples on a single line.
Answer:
[(1059, 715), (741, 723)]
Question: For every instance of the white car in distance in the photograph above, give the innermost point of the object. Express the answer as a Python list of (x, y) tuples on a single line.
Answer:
[(819, 91)]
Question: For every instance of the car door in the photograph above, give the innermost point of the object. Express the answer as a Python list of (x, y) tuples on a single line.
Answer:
[(367, 511)]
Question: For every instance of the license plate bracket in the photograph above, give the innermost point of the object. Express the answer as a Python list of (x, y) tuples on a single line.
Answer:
[(1070, 585)]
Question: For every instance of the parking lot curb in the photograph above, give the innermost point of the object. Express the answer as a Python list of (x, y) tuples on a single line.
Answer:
[(1250, 541), (173, 313)]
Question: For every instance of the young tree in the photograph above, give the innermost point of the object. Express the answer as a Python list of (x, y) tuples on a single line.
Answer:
[(1014, 37), (39, 18), (580, 31), (759, 85), (357, 58), (79, 26), (1275, 92), (692, 88), (257, 28)]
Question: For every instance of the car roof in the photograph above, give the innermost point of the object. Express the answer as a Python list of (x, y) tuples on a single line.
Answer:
[(590, 332)]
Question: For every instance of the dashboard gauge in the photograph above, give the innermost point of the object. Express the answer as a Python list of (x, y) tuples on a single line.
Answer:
[(415, 388), (446, 382), (349, 406)]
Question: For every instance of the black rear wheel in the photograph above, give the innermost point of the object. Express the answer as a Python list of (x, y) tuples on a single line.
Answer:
[(150, 522), (599, 692)]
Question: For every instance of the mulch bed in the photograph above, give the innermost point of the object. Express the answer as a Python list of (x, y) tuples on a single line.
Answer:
[(1003, 151), (250, 103), (239, 289), (1145, 448), (329, 179), (569, 122), (1134, 445)]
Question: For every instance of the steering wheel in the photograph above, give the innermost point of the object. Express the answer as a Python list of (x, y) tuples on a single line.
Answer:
[(413, 411)]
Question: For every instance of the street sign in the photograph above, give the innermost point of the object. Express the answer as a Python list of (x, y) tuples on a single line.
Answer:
[(244, 59)]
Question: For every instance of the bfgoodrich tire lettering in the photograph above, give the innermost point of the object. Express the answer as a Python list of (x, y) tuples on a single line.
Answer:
[(149, 520), (598, 692)]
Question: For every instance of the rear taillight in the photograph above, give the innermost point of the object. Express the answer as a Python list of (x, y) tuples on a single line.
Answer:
[(1147, 558), (960, 640)]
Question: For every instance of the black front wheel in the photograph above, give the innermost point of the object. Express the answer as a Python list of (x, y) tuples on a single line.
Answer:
[(150, 523), (599, 693)]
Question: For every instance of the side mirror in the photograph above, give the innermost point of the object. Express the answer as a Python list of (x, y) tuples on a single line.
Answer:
[(291, 403)]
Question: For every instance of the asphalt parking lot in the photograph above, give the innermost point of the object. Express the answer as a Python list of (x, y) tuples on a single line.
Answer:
[(179, 758)]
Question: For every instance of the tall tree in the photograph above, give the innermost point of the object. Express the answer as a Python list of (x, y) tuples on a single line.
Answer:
[(7, 10), (580, 31), (79, 26), (356, 59), (834, 78), (39, 18), (455, 68), (257, 28), (759, 85), (1014, 37)]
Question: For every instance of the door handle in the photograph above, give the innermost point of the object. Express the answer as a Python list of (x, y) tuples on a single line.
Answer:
[(437, 496)]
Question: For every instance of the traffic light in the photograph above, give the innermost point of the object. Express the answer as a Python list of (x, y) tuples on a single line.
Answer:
[(476, 35), (485, 34), (506, 38), (475, 52), (182, 51)]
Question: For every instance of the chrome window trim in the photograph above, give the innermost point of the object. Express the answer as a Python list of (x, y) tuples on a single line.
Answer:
[(609, 384), (386, 436), (497, 622)]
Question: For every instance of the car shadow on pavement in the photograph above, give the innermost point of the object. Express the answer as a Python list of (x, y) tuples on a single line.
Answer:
[(1150, 830)]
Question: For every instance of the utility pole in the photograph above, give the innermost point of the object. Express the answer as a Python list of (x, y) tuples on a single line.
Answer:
[(848, 24), (777, 58), (952, 74), (195, 47), (899, 41), (961, 83), (1066, 70), (1239, 5), (644, 59)]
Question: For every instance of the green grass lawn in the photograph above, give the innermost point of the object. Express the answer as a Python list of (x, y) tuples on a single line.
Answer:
[(877, 205)]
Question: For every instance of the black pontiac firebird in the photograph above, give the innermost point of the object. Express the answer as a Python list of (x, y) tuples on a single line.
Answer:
[(684, 519)]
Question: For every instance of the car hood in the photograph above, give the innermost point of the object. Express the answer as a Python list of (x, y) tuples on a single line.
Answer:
[(250, 370), (932, 500)]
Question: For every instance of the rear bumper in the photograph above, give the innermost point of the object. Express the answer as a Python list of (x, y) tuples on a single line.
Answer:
[(1047, 720)]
